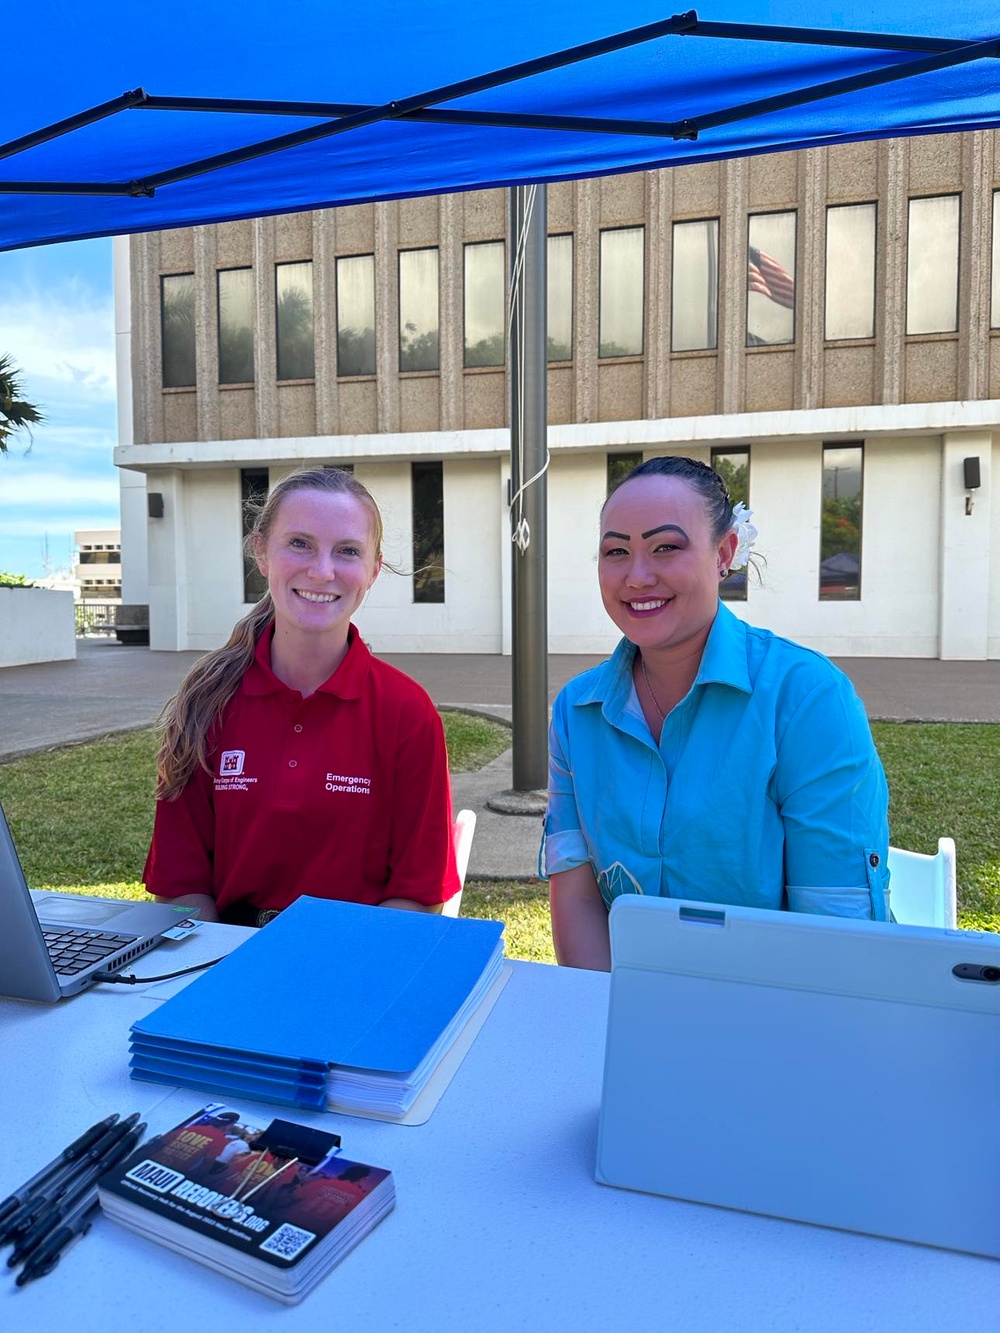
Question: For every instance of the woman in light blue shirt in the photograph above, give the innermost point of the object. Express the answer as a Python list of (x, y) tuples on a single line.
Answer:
[(707, 759)]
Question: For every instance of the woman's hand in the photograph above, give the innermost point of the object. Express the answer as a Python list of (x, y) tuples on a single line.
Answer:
[(579, 920), (204, 902)]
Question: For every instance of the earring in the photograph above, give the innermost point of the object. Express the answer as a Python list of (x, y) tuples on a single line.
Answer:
[(723, 573)]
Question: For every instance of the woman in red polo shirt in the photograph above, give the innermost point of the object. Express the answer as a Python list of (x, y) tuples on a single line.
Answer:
[(293, 761)]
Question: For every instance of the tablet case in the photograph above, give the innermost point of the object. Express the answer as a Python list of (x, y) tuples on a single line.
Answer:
[(327, 993)]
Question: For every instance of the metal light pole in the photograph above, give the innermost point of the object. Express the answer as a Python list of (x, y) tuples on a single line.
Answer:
[(528, 493)]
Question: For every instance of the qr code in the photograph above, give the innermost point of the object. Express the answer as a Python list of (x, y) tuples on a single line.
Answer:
[(288, 1241)]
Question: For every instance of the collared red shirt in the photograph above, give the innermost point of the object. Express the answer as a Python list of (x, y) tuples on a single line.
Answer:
[(765, 790), (343, 794)]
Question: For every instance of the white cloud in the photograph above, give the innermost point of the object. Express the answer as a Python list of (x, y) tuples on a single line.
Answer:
[(54, 491), (63, 342), (62, 441)]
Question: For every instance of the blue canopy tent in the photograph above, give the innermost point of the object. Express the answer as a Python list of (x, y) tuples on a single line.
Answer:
[(135, 118), (132, 118)]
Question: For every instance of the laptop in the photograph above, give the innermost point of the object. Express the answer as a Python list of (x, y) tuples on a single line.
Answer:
[(837, 1072), (53, 945)]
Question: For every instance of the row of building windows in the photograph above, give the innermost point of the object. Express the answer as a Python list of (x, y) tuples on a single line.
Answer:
[(419, 315), (932, 282), (97, 555), (96, 588), (840, 525)]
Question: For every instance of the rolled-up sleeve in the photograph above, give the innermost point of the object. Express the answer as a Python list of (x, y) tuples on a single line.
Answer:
[(563, 843), (832, 796)]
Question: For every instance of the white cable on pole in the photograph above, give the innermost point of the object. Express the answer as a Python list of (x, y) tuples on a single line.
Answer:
[(520, 528)]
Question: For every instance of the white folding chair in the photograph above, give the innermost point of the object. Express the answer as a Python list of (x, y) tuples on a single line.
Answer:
[(922, 888), (462, 833)]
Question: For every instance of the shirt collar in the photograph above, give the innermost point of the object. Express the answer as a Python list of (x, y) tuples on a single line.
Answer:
[(346, 682), (723, 662)]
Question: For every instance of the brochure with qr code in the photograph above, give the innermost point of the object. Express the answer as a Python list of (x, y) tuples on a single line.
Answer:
[(275, 1207)]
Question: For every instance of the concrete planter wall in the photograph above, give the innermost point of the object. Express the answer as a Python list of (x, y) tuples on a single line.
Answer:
[(36, 625)]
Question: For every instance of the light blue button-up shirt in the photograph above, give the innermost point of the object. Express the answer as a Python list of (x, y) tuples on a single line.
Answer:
[(765, 790)]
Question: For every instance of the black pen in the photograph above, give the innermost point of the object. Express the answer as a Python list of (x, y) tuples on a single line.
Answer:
[(51, 1251), (24, 1219), (86, 1140), (55, 1212)]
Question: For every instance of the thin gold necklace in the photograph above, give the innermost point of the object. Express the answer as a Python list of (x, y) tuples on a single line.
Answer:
[(645, 676)]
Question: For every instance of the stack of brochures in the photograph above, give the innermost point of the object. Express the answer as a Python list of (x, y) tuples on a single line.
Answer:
[(333, 1005), (274, 1208)]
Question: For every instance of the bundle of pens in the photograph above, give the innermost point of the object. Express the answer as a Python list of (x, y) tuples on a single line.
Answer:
[(58, 1204)]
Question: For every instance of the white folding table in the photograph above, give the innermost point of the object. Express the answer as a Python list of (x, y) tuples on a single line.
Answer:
[(498, 1223)]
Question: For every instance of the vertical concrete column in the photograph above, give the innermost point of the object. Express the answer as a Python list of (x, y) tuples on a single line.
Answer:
[(325, 318), (809, 265), (168, 590), (587, 296), (890, 303), (733, 285), (132, 501), (123, 336), (974, 281), (386, 315), (265, 353), (206, 337), (965, 548), (146, 355), (450, 257), (659, 209)]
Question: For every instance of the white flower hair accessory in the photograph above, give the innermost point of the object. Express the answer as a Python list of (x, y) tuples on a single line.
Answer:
[(745, 532)]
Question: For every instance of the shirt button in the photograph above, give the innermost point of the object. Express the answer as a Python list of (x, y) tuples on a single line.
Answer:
[(292, 763), (873, 860), (298, 726)]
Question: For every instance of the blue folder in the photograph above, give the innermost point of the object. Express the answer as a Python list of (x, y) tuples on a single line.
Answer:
[(326, 984)]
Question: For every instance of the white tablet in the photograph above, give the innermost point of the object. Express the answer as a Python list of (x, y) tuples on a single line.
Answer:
[(832, 1071)]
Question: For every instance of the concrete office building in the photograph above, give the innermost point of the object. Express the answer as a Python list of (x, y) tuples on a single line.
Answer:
[(97, 567), (824, 324)]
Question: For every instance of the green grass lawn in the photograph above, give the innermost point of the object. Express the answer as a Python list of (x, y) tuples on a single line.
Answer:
[(82, 815), (944, 780)]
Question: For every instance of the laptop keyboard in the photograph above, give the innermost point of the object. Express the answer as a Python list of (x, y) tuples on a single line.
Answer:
[(73, 950)]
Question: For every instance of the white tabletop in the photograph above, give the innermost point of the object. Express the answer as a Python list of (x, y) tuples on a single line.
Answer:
[(498, 1223)]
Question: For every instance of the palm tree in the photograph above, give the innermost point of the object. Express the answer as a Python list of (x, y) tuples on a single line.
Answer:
[(15, 412)]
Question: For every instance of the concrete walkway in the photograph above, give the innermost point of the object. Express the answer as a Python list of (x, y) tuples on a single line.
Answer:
[(110, 688)]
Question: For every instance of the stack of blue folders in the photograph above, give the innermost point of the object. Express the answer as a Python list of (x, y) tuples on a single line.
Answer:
[(332, 1005)]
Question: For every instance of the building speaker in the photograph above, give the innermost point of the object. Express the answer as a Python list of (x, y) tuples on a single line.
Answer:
[(154, 500), (970, 467)]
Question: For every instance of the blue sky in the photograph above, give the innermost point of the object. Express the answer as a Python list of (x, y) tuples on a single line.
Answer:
[(57, 322)]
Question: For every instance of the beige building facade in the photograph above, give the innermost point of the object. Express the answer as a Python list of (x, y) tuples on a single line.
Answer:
[(97, 567), (823, 324)]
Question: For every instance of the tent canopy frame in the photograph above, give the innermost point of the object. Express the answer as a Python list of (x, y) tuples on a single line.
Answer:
[(932, 54)]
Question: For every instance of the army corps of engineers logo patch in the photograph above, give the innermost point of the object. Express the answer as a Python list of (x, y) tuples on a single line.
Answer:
[(230, 776)]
